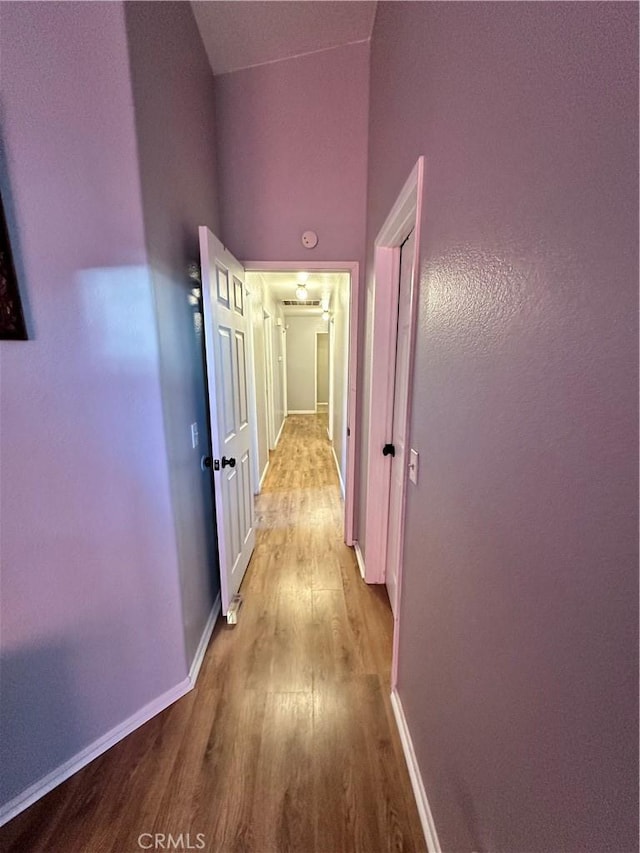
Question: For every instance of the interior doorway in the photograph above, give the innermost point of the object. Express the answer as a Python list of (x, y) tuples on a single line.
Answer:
[(395, 298), (312, 365)]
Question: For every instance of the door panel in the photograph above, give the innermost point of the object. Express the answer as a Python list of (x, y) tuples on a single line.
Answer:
[(241, 367), (238, 296), (226, 331), (226, 381)]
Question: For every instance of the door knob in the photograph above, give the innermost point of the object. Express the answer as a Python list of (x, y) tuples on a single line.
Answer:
[(388, 450), (231, 462)]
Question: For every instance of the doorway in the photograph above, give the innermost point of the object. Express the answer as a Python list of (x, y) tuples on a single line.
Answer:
[(394, 297), (330, 309)]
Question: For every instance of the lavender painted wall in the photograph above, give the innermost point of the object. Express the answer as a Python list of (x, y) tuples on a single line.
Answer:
[(519, 640), (174, 108), (292, 142), (91, 623)]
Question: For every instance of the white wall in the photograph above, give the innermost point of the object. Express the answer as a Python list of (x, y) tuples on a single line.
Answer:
[(261, 302), (322, 368), (340, 365), (279, 379), (301, 360), (257, 326)]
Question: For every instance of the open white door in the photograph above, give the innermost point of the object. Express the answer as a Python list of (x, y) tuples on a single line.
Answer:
[(226, 329)]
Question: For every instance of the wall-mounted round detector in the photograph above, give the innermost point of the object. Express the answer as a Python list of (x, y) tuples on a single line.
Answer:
[(309, 239)]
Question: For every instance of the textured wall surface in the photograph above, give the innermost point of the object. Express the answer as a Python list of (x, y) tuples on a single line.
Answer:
[(91, 623), (519, 640), (174, 107)]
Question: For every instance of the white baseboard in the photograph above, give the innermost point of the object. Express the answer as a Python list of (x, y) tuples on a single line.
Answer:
[(81, 759), (204, 642), (279, 432), (302, 411), (264, 473), (426, 818), (335, 459), (359, 557), (102, 744)]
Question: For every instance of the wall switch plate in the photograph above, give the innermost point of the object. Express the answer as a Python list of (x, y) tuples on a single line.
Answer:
[(194, 436), (413, 466)]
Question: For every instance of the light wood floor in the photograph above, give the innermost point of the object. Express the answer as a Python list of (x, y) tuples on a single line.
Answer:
[(288, 741)]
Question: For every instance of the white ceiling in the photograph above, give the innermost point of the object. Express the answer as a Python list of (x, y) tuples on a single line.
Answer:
[(243, 33)]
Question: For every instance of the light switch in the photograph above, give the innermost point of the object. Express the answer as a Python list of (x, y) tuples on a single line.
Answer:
[(413, 466), (194, 435)]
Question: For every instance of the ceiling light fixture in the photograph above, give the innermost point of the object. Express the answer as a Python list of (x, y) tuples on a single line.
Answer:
[(302, 277), (301, 293)]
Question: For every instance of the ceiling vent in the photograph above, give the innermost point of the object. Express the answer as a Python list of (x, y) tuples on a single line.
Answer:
[(314, 303)]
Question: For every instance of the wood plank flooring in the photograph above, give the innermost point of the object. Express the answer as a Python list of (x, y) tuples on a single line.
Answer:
[(287, 744)]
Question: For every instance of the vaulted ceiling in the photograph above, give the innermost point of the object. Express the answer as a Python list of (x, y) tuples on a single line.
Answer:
[(240, 35)]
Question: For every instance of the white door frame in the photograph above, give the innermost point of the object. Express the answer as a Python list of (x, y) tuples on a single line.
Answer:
[(352, 440), (252, 388), (332, 366), (283, 376), (405, 215), (315, 372), (268, 369)]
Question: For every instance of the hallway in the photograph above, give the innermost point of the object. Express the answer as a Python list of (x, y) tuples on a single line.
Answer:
[(288, 741)]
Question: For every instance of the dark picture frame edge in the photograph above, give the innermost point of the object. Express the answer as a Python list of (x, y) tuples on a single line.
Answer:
[(12, 324)]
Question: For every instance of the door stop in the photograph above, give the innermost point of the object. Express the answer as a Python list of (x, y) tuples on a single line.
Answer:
[(234, 607)]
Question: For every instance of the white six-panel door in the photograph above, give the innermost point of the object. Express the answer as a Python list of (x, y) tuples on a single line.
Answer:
[(226, 326)]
